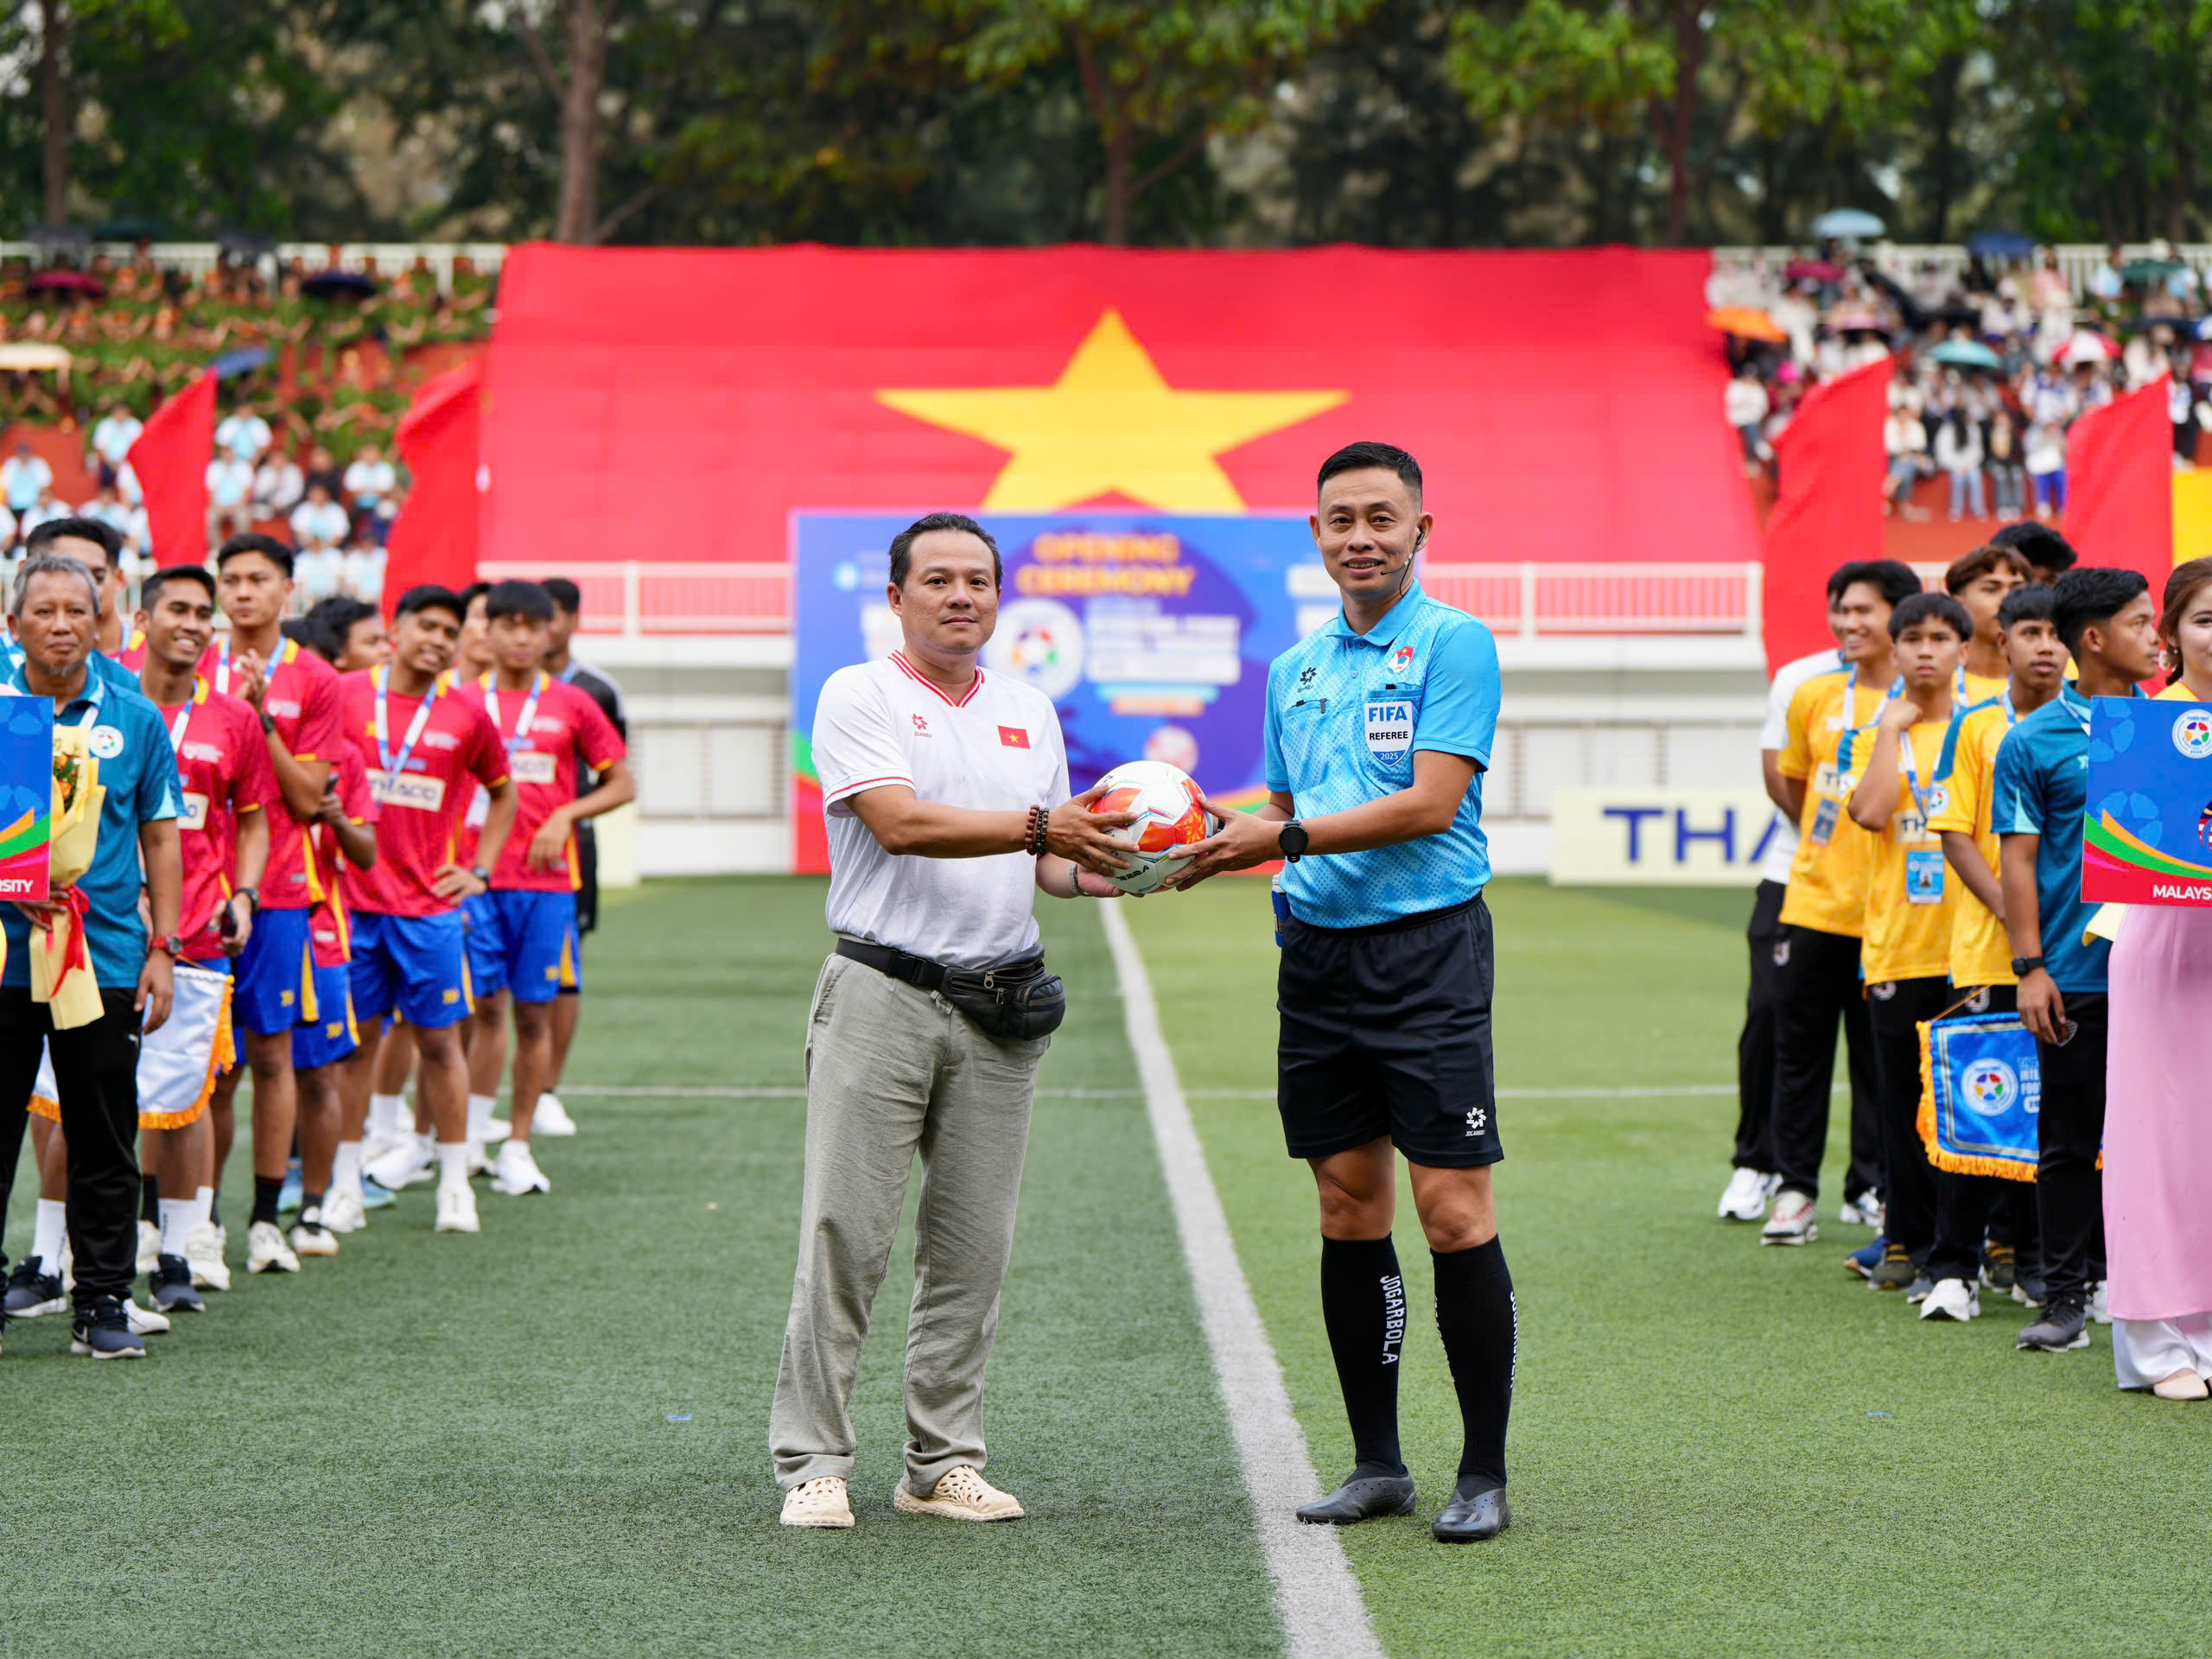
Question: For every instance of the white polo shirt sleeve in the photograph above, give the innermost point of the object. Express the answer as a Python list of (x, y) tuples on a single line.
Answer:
[(857, 744), (1774, 734)]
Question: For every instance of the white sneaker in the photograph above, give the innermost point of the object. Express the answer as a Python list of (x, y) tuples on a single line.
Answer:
[(552, 1117), (457, 1210), (413, 1160), (2100, 1305), (311, 1236), (375, 1146), (150, 1248), (343, 1213), (480, 1161), (517, 1172), (1952, 1299), (266, 1250), (1747, 1195), (144, 1321), (819, 1503), (490, 1128), (1864, 1210), (203, 1252), (1792, 1221), (962, 1494)]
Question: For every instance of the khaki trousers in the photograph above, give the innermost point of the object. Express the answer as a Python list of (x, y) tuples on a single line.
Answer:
[(892, 1070)]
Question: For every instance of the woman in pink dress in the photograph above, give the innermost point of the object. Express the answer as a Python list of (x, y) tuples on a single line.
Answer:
[(2158, 1121)]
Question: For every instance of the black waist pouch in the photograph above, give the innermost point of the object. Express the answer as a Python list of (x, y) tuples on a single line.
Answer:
[(1014, 1001)]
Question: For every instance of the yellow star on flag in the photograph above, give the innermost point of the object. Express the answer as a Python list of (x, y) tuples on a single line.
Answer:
[(1110, 423)]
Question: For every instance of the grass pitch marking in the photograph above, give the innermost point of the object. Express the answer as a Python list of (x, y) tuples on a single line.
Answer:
[(1316, 1595)]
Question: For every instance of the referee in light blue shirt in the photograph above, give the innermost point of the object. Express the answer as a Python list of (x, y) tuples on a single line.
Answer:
[(1378, 731)]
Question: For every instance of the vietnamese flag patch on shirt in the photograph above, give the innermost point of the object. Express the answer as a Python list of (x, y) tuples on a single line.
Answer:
[(1013, 737)]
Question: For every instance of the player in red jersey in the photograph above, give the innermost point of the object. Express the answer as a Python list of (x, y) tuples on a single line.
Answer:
[(330, 1165), (230, 794), (295, 695), (522, 940), (424, 747)]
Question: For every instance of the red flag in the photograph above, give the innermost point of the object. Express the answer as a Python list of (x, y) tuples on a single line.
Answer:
[(434, 539), (171, 459), (680, 403), (1013, 737), (1829, 509), (2119, 485)]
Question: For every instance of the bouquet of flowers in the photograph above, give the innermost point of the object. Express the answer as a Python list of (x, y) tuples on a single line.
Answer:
[(62, 964)]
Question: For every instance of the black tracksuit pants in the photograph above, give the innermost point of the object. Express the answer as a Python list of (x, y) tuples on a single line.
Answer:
[(1816, 984), (2069, 1189), (1969, 1207), (1898, 1008), (1756, 1070)]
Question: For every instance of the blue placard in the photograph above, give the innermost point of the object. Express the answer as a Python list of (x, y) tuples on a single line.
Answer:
[(2147, 829), (26, 797)]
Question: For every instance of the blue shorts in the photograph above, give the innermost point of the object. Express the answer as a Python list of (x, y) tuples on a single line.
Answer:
[(418, 964), (523, 941), (329, 1037), (274, 987)]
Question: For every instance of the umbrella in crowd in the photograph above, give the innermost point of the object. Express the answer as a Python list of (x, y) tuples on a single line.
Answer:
[(2086, 347), (1746, 323), (1811, 270), (1966, 354), (1967, 315), (1847, 224), (67, 282), (2203, 328), (1851, 319), (2000, 245), (2149, 270), (339, 285)]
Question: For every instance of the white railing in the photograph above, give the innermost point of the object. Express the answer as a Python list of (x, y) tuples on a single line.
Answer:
[(1903, 261), (197, 258), (638, 600)]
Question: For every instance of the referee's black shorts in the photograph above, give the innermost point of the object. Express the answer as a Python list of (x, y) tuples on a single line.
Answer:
[(1386, 1031)]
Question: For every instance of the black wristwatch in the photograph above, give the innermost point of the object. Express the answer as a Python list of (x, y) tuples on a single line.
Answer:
[(482, 874), (251, 895), (170, 946), (1292, 841), (2023, 966)]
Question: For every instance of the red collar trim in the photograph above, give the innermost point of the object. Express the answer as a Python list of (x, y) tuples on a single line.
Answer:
[(898, 658)]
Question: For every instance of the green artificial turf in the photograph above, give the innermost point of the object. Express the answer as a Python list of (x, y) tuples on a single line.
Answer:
[(1717, 1447), (551, 1438)]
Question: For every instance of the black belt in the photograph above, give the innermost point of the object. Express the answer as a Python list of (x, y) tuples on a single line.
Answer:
[(900, 965), (1008, 999)]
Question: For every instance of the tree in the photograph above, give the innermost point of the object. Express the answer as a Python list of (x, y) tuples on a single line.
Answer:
[(1158, 80)]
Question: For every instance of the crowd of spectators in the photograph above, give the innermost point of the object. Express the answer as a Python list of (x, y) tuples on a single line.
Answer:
[(1994, 360)]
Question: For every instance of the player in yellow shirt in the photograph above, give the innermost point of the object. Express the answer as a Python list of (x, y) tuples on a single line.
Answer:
[(1981, 968), (1832, 721), (1982, 581), (1910, 905)]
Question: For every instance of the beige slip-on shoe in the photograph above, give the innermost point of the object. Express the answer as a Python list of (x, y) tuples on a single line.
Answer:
[(819, 1503), (961, 1493)]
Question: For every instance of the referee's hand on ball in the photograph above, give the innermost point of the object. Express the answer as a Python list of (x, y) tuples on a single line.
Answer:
[(1243, 839), (1076, 832)]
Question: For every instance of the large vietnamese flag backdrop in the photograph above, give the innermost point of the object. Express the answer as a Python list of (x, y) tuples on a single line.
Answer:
[(2119, 484), (1828, 511), (170, 458), (435, 537), (680, 404)]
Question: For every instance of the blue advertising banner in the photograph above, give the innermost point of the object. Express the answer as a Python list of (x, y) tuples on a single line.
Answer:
[(1151, 633)]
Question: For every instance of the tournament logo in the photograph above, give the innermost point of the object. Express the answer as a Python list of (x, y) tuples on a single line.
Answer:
[(2193, 734), (1402, 659), (106, 742), (1990, 1085), (1038, 641)]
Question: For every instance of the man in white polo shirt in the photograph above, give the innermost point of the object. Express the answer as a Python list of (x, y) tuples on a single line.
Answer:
[(1753, 1182), (939, 784)]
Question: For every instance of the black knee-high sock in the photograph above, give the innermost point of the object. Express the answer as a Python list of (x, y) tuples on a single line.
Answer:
[(265, 1192), (1480, 1325), (149, 1199), (1364, 1305)]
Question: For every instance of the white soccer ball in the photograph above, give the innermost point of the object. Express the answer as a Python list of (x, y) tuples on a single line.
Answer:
[(1169, 821)]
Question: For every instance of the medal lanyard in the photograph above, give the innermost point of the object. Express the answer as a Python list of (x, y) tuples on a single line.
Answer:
[(1946, 760), (1850, 708), (184, 714), (392, 768), (525, 720), (285, 652)]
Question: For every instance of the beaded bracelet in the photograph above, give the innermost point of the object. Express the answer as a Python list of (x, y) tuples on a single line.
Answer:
[(1034, 835)]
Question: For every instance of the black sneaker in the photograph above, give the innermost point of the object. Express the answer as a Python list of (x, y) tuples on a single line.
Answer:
[(1999, 1268), (1895, 1270), (2064, 1327), (104, 1333), (171, 1286), (2028, 1289), (31, 1292)]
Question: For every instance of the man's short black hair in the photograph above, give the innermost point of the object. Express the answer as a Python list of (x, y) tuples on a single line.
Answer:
[(2090, 594), (2039, 544), (252, 541), (334, 617), (1893, 580), (902, 545), (429, 597), (1923, 607), (517, 599), (2029, 604), (109, 538), (1970, 568), (470, 595), (567, 597), (163, 577), (308, 632), (1358, 457)]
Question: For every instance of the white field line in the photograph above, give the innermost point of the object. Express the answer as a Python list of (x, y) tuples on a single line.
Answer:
[(1664, 1091), (1316, 1595)]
